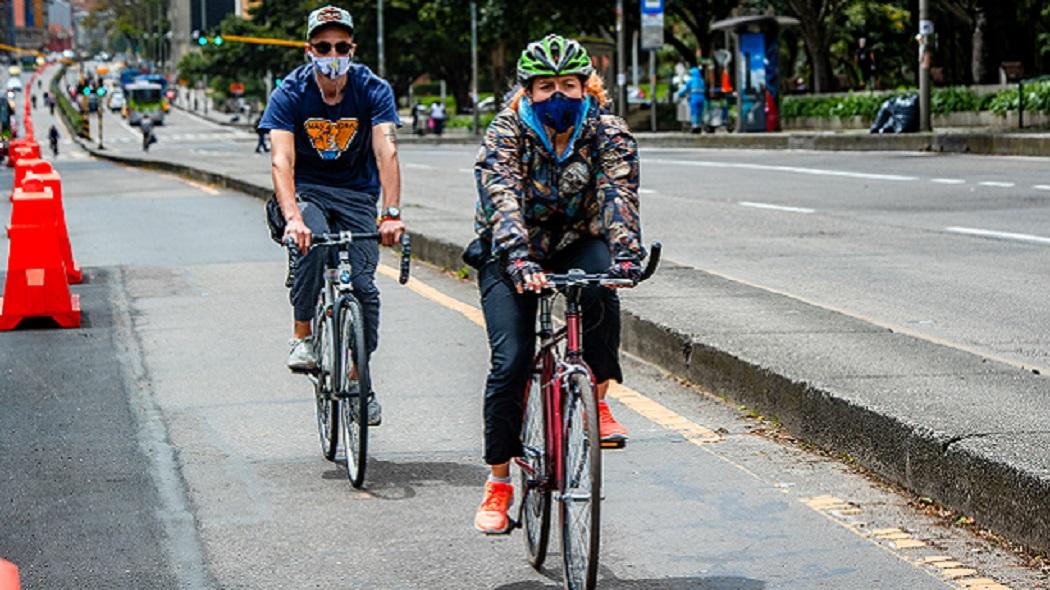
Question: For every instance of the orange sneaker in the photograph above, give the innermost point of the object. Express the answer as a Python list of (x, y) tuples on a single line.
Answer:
[(491, 517), (611, 433)]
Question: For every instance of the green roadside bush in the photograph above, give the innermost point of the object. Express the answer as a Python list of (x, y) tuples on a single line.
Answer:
[(952, 99), (70, 113)]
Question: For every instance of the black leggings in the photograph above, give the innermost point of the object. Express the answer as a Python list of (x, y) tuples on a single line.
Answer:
[(510, 319)]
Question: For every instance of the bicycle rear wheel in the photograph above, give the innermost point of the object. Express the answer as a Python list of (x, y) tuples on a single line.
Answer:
[(325, 404), (536, 493), (580, 498), (353, 401)]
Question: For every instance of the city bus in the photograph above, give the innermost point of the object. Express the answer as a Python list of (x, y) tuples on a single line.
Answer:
[(144, 98)]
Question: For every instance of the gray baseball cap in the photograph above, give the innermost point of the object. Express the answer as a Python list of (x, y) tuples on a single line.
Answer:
[(329, 15)]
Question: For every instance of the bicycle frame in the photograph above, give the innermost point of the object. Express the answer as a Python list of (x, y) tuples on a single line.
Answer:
[(554, 378)]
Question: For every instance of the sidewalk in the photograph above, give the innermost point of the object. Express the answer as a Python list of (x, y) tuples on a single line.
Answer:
[(948, 140), (945, 423)]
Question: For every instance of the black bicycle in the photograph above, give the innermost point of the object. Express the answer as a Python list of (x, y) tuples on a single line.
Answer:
[(342, 383)]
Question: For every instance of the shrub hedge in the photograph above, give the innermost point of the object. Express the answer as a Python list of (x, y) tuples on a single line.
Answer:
[(952, 99)]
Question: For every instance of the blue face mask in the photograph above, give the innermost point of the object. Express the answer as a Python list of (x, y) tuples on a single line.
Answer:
[(559, 112)]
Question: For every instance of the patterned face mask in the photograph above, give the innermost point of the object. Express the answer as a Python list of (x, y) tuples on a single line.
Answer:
[(333, 67)]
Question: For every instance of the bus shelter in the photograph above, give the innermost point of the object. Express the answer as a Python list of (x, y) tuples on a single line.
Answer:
[(755, 42)]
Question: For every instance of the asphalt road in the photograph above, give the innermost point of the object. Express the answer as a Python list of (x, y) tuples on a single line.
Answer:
[(164, 444), (950, 248)]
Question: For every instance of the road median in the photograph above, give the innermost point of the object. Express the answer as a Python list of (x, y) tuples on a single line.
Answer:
[(947, 423)]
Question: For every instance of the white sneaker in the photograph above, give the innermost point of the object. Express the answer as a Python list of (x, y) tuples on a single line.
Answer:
[(301, 357)]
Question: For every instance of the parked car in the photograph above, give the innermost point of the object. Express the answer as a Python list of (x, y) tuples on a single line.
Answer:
[(117, 100)]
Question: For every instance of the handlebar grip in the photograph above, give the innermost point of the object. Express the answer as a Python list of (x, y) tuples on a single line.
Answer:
[(654, 261), (406, 258)]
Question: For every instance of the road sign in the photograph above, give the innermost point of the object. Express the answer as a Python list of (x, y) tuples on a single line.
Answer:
[(236, 88), (652, 30), (926, 27), (652, 6)]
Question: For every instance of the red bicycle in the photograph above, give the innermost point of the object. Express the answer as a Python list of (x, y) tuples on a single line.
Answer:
[(562, 454)]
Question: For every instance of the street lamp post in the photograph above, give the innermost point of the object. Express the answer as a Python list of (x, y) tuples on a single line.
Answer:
[(474, 64), (379, 43), (621, 77), (925, 54)]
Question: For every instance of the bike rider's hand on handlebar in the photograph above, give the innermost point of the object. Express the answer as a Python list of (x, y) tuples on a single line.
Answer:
[(527, 276), (297, 230), (625, 266), (390, 231)]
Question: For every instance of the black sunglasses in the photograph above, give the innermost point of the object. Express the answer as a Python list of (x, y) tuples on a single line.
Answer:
[(324, 47)]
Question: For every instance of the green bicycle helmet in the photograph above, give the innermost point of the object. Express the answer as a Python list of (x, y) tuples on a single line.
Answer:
[(553, 55)]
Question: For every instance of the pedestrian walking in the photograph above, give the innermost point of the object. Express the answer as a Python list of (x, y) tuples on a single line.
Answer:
[(148, 138), (51, 104), (866, 66), (696, 89), (437, 116), (417, 118), (33, 100), (262, 132), (52, 136)]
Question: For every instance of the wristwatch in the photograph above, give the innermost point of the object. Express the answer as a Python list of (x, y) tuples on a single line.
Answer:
[(391, 213)]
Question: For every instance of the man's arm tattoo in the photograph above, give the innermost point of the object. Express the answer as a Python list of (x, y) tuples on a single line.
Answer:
[(391, 134)]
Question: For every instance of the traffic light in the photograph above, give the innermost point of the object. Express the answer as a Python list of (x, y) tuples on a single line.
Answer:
[(86, 90), (217, 40), (202, 40), (100, 91)]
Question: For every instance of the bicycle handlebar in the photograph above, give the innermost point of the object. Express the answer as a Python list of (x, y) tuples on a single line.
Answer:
[(576, 277), (347, 237)]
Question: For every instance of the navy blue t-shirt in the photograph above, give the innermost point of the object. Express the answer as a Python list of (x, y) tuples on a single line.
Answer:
[(333, 143)]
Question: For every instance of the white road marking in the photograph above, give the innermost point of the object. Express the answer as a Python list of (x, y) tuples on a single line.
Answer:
[(948, 181), (415, 166), (467, 170), (1000, 235), (997, 184), (789, 169), (1042, 187), (775, 207), (646, 191)]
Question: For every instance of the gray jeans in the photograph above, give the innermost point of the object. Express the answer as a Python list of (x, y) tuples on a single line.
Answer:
[(326, 210)]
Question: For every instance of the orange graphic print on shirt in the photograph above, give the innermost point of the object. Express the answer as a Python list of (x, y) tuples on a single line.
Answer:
[(331, 138)]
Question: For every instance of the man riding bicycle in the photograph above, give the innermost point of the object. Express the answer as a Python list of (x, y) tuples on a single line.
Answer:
[(333, 133), (557, 182)]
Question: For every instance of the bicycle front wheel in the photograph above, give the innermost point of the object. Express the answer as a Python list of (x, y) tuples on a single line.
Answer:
[(536, 492), (353, 401), (580, 497), (325, 404)]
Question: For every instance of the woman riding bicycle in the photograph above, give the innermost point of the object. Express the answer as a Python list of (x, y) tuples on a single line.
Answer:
[(557, 180)]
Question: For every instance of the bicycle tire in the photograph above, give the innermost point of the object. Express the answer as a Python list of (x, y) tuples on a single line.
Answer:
[(354, 405), (536, 500), (580, 502), (324, 403)]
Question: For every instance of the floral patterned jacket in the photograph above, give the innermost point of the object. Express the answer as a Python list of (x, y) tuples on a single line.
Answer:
[(533, 203)]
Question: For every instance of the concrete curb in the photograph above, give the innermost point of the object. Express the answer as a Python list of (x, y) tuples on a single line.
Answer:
[(1000, 495), (978, 142)]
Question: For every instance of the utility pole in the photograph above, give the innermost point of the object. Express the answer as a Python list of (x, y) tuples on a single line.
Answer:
[(621, 59), (379, 32), (474, 65), (925, 56)]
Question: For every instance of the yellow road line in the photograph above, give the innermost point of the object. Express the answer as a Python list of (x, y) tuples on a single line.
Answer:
[(201, 187), (647, 408)]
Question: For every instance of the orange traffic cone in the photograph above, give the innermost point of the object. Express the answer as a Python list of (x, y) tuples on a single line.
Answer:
[(26, 165), (9, 576), (36, 278), (33, 183)]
